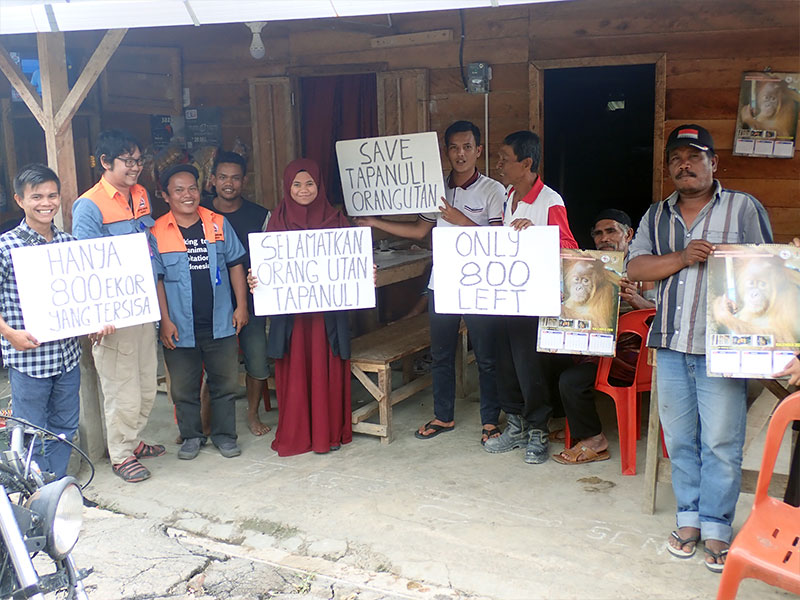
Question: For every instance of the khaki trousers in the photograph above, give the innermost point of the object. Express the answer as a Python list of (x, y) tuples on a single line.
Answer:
[(126, 365)]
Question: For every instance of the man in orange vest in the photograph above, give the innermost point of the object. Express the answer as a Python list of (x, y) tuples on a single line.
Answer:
[(198, 258), (125, 360)]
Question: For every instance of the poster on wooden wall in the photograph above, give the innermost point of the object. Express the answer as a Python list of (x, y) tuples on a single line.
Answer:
[(391, 175), (590, 305), (753, 329), (767, 121)]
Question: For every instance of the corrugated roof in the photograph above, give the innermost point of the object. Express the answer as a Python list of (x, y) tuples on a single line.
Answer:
[(32, 16)]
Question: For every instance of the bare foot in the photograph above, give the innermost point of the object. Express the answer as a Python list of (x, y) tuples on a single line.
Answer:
[(685, 533), (256, 426)]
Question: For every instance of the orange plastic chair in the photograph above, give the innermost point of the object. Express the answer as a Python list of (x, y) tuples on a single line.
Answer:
[(626, 398), (768, 546)]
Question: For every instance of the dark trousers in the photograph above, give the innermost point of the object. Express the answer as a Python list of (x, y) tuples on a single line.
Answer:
[(220, 358), (527, 380), (444, 343), (576, 385)]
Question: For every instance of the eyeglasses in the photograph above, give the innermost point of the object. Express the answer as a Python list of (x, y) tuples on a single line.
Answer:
[(131, 162)]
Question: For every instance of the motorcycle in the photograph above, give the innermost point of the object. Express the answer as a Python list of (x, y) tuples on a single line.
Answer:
[(38, 513)]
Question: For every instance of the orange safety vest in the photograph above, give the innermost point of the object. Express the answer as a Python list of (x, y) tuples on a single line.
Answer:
[(113, 206), (170, 239)]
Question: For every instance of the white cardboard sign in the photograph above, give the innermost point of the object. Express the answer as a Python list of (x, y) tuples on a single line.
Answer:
[(78, 287), (391, 175), (497, 270), (314, 270)]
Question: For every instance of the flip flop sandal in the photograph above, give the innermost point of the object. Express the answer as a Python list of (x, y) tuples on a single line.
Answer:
[(149, 450), (715, 567), (489, 433), (680, 552), (131, 470), (573, 453), (437, 429), (558, 436)]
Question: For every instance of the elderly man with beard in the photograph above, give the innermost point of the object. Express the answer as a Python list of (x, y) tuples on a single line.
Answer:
[(612, 231), (674, 240)]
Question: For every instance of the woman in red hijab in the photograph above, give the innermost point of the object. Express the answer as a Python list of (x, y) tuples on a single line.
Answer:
[(311, 350)]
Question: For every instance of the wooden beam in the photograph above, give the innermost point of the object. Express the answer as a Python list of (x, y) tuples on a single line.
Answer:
[(60, 145), (21, 84), (7, 126), (98, 61)]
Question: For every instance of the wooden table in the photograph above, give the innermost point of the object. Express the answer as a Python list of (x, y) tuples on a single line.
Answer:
[(657, 468), (399, 265)]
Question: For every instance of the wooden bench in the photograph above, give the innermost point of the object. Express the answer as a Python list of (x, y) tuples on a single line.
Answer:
[(374, 352)]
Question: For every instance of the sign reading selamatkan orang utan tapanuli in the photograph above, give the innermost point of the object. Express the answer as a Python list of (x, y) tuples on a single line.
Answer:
[(78, 287), (314, 270), (391, 175)]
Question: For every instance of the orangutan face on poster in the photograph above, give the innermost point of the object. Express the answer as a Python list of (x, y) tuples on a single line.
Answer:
[(753, 306), (587, 324), (590, 293)]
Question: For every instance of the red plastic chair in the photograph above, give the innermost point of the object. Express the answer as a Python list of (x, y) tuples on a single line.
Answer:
[(626, 398), (768, 546)]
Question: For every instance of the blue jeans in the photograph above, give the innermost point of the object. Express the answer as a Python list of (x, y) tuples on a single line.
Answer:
[(704, 428), (52, 403), (444, 342)]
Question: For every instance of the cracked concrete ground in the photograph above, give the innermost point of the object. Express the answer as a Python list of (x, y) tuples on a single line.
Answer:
[(429, 519)]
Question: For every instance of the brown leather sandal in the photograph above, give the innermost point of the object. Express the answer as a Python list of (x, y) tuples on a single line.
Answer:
[(572, 456)]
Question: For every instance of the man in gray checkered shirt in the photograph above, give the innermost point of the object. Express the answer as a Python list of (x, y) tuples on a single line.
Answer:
[(44, 377), (703, 417)]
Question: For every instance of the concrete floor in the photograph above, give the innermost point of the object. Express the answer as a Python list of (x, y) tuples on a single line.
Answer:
[(439, 512)]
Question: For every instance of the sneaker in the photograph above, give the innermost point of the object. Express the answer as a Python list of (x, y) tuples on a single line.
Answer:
[(538, 449), (514, 436), (229, 449), (190, 448)]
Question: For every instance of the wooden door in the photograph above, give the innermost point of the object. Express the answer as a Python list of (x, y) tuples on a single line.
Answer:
[(403, 102), (274, 122)]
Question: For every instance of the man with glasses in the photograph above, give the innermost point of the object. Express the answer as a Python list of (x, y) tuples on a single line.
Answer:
[(125, 360)]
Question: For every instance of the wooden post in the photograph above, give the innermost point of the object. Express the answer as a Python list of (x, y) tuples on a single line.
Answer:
[(10, 158), (60, 145)]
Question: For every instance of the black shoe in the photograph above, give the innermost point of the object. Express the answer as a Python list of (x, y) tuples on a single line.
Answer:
[(229, 449), (190, 448)]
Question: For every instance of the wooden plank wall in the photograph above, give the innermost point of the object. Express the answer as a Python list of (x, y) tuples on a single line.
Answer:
[(708, 44)]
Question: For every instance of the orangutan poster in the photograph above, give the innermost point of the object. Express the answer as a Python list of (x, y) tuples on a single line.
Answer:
[(589, 305), (753, 329), (767, 121)]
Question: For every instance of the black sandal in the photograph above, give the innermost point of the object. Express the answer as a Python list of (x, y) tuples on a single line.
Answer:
[(437, 429), (489, 433)]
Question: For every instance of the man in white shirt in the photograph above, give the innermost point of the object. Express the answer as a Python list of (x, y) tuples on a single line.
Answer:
[(471, 199)]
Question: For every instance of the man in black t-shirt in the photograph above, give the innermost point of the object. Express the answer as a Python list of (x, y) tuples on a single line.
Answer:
[(198, 259), (228, 178)]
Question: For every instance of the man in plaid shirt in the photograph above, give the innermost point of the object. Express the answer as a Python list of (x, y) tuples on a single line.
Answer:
[(45, 378)]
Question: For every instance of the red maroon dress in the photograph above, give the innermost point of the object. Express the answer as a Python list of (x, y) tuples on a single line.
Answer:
[(313, 387)]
